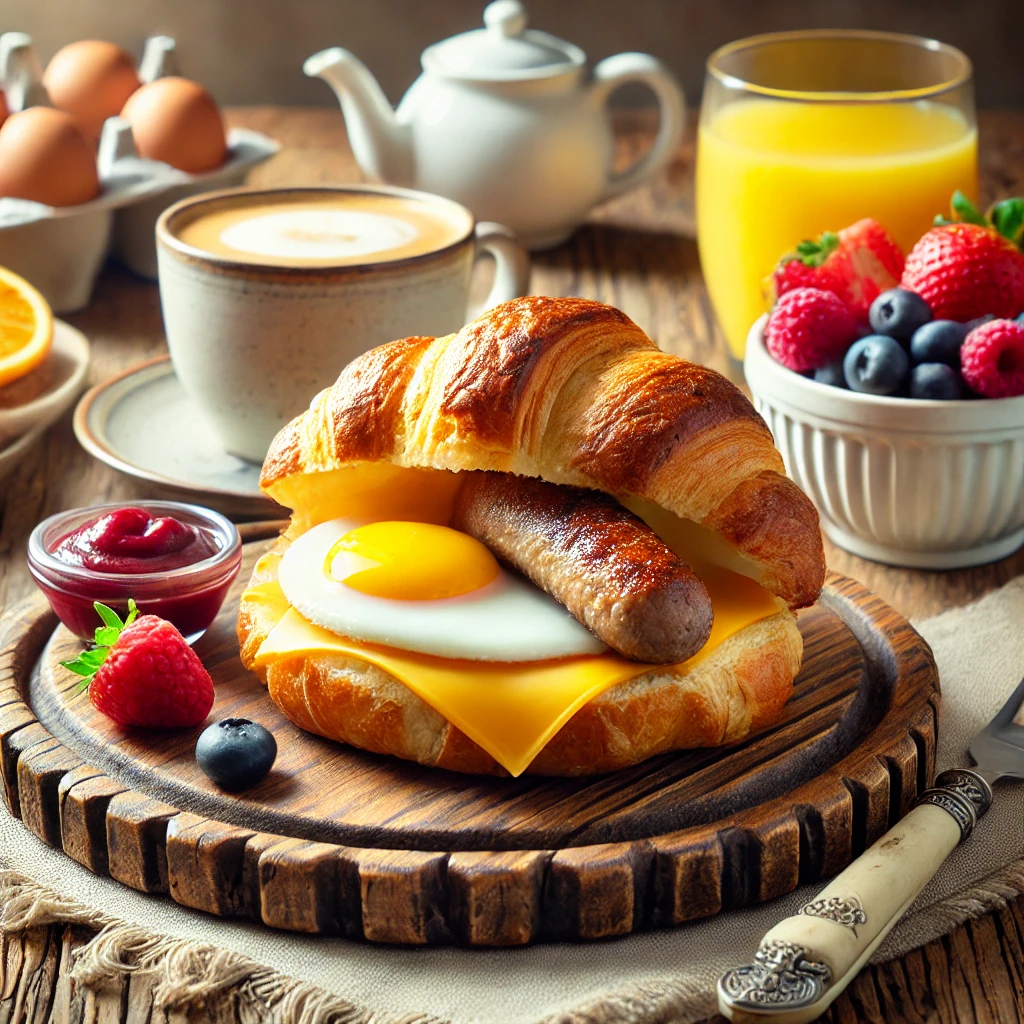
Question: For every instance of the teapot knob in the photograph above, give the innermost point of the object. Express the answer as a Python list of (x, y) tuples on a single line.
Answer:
[(506, 17)]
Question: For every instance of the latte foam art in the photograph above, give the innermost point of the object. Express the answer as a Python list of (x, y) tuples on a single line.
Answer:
[(313, 234), (323, 227)]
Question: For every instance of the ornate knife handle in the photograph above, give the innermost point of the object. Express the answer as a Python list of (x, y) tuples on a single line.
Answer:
[(806, 961)]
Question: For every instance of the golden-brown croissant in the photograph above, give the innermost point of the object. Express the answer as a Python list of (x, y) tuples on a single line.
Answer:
[(573, 392)]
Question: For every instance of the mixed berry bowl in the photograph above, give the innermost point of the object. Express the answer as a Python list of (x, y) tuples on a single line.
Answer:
[(929, 484)]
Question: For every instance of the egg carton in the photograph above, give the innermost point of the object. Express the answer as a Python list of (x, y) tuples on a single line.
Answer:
[(60, 250)]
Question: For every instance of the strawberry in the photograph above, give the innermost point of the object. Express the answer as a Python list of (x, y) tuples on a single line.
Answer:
[(856, 264), (876, 263), (142, 672), (972, 265)]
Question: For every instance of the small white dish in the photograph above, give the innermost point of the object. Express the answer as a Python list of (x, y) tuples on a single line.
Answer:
[(143, 424), (12, 454), (69, 360), (921, 484)]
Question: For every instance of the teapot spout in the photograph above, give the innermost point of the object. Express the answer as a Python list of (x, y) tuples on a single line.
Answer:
[(382, 147)]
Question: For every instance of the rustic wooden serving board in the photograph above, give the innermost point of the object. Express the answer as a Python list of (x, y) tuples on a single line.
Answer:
[(339, 841)]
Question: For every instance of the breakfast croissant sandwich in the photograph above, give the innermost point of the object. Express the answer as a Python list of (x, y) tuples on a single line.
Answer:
[(539, 544)]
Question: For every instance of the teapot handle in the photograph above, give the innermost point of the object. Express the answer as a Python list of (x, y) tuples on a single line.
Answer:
[(617, 71)]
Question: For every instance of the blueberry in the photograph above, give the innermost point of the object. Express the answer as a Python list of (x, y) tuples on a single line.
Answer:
[(1020, 319), (236, 753), (832, 374), (898, 313), (938, 342), (936, 381), (876, 365)]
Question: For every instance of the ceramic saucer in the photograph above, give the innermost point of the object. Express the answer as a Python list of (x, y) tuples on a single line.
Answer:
[(14, 452), (68, 363), (143, 424)]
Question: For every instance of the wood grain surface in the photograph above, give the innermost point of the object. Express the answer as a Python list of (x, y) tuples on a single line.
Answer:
[(339, 841), (638, 253)]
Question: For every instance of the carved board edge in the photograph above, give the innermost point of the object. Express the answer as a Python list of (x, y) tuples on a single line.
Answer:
[(419, 898), (883, 634)]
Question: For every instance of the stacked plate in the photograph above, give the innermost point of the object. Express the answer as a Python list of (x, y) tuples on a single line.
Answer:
[(29, 406)]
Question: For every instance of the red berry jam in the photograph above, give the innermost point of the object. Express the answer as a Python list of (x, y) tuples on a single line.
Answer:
[(177, 561), (131, 541)]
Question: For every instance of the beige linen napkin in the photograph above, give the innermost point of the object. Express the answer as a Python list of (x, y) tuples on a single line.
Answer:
[(668, 975)]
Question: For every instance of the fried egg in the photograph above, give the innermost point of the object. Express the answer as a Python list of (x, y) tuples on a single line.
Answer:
[(425, 588)]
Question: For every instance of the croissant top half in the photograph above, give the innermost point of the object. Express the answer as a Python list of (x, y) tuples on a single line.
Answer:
[(571, 391)]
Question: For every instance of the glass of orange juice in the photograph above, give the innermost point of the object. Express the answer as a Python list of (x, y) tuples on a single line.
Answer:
[(805, 132)]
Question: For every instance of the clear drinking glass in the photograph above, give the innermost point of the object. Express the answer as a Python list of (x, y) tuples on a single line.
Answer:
[(805, 132)]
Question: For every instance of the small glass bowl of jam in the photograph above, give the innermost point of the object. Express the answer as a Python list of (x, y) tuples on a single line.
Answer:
[(177, 561)]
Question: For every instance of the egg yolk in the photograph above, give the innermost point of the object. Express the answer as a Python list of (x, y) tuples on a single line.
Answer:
[(410, 561)]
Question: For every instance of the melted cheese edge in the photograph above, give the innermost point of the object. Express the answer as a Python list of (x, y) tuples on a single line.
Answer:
[(511, 710)]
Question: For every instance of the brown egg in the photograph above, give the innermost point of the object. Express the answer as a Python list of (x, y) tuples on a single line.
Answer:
[(44, 156), (91, 80), (176, 121)]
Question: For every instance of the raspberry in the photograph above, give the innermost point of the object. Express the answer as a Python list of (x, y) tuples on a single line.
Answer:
[(992, 359), (792, 273), (143, 673), (809, 328)]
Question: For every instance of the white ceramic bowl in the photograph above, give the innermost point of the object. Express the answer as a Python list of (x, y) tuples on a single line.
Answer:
[(928, 485)]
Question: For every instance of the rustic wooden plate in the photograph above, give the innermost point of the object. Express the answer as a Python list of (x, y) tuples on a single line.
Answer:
[(339, 841)]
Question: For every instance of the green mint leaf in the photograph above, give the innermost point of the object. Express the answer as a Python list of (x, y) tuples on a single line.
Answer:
[(87, 662), (110, 618), (941, 221), (78, 668), (95, 657), (1008, 218), (964, 210), (106, 636)]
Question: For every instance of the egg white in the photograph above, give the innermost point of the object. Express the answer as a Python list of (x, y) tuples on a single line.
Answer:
[(509, 619)]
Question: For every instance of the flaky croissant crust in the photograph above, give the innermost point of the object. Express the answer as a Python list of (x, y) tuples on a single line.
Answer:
[(571, 391)]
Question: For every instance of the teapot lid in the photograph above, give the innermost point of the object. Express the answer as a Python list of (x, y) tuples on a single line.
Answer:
[(504, 50)]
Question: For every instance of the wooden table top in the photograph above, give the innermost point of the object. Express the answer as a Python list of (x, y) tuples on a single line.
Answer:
[(637, 253)]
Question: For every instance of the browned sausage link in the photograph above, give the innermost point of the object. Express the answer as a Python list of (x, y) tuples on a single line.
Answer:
[(604, 564)]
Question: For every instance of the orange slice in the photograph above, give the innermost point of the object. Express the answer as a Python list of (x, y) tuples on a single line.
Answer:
[(26, 327)]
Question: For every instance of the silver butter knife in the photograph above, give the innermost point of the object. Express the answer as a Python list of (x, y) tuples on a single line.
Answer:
[(807, 960)]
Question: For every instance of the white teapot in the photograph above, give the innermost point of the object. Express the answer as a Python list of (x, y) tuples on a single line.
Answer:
[(506, 121)]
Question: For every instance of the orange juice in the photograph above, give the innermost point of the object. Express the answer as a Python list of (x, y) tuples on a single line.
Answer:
[(772, 172)]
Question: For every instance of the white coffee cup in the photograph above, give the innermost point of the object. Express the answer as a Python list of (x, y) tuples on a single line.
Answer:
[(254, 334)]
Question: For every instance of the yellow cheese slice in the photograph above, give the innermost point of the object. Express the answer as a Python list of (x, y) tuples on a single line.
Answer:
[(512, 710)]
